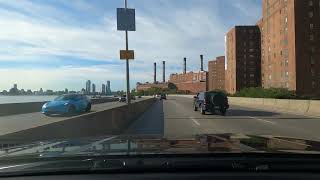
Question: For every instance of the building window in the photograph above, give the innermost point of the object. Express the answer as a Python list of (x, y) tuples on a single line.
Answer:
[(312, 50), (270, 77), (311, 26), (310, 14), (286, 20), (311, 37), (312, 72), (286, 62), (312, 60), (287, 74), (252, 75), (313, 84), (310, 3)]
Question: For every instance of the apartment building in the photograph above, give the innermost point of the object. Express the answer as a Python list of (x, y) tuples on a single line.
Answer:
[(243, 56), (290, 49), (216, 74)]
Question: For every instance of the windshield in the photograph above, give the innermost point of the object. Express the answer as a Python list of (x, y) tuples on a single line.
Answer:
[(159, 77)]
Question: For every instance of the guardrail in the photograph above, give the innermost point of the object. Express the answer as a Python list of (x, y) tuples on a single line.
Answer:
[(30, 107), (111, 121)]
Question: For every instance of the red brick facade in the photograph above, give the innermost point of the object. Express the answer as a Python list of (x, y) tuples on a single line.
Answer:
[(216, 74), (191, 82), (146, 86)]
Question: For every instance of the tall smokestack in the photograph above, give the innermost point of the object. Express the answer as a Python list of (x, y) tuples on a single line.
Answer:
[(201, 62), (184, 65), (155, 72), (163, 71)]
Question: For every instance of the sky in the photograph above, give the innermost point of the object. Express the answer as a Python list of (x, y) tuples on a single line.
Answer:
[(57, 44)]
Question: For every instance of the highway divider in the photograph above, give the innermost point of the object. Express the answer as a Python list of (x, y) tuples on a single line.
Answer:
[(293, 106), (111, 121), (30, 107)]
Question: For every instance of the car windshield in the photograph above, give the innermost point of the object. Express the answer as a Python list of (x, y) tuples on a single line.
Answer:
[(66, 97), (156, 77)]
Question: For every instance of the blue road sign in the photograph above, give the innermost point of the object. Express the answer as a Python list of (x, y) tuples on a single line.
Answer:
[(126, 20)]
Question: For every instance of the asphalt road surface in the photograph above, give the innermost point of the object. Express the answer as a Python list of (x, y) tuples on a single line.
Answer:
[(175, 118)]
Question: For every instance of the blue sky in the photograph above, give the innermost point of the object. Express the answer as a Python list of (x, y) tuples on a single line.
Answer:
[(57, 44)]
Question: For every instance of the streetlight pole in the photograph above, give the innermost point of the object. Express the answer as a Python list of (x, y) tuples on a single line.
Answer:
[(127, 62)]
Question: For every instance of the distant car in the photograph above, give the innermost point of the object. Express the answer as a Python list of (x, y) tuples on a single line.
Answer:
[(67, 104), (158, 95), (139, 97), (210, 101), (163, 96), (123, 98)]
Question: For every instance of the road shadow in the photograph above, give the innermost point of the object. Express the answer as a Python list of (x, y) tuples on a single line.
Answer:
[(241, 112), (150, 122)]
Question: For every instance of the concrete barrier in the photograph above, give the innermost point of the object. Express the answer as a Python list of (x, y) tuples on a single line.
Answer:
[(107, 122), (314, 109), (30, 107), (298, 107)]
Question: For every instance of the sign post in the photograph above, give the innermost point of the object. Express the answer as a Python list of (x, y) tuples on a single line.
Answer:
[(126, 22)]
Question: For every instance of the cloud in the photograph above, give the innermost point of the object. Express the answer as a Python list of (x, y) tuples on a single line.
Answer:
[(79, 30)]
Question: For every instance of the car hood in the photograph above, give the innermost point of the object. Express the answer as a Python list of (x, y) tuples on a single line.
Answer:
[(133, 145), (56, 103)]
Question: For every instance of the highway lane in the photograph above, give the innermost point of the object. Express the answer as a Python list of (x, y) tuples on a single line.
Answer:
[(15, 123), (175, 118)]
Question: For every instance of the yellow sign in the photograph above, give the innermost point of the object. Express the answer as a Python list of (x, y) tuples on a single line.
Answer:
[(126, 54)]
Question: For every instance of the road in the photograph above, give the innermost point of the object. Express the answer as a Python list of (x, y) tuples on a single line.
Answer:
[(175, 118)]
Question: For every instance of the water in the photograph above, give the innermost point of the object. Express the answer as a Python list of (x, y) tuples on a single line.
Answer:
[(22, 99)]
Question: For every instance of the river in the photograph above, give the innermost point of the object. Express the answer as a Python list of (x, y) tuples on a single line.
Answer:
[(22, 99)]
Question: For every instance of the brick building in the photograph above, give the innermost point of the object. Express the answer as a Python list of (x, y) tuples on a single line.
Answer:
[(146, 86), (190, 82), (243, 51), (216, 74), (291, 45)]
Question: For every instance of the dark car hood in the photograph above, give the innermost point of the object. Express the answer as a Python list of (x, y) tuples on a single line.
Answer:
[(133, 145)]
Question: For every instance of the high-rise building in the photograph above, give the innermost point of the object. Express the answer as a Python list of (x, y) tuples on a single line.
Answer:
[(216, 74), (291, 45), (108, 91), (103, 89), (88, 86), (243, 51), (15, 86), (93, 88)]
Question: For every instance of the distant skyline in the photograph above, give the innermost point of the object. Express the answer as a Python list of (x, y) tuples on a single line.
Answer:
[(57, 44)]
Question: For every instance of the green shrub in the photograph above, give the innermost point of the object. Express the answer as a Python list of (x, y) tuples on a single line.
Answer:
[(258, 92)]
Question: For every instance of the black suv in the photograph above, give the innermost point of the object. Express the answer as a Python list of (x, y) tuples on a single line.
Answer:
[(210, 101)]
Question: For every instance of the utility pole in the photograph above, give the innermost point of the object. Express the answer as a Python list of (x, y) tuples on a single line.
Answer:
[(127, 61), (126, 22)]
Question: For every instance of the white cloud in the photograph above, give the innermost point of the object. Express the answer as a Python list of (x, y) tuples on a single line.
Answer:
[(164, 32)]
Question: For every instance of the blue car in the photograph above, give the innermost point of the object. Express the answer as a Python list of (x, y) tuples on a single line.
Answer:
[(67, 104)]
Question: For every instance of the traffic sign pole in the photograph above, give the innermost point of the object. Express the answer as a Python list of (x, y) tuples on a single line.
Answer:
[(127, 62)]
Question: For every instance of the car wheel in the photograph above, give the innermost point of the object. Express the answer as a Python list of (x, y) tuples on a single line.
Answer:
[(202, 110), (88, 109), (195, 107), (47, 114), (223, 111), (71, 110)]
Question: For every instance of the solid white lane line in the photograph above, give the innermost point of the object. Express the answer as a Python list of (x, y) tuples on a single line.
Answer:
[(195, 121), (262, 120)]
